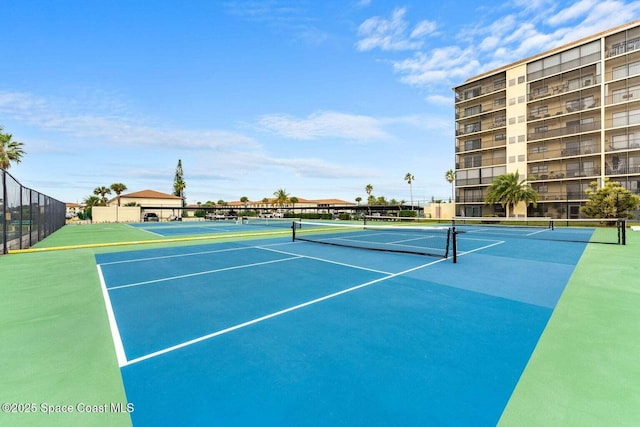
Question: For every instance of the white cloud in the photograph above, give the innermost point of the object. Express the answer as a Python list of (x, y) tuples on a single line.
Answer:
[(437, 66), (392, 34), (496, 38), (576, 10), (326, 124), (117, 130)]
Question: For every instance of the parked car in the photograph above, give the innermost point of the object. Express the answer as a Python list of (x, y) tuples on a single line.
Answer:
[(175, 218), (150, 217)]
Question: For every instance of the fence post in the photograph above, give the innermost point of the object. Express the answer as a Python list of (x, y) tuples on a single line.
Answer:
[(5, 236)]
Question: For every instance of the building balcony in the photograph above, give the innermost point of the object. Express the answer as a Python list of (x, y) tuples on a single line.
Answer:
[(623, 47), (543, 132)]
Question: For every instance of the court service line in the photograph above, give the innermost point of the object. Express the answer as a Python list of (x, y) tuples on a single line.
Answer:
[(201, 273), (328, 261), (125, 261), (481, 248), (272, 315), (539, 231), (113, 325)]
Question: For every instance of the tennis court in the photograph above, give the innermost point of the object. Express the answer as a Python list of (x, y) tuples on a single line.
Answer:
[(256, 329), (275, 332)]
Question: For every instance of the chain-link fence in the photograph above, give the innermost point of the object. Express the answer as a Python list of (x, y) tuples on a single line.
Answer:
[(26, 216)]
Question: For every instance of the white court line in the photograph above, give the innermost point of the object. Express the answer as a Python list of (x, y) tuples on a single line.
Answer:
[(323, 260), (175, 255), (499, 242), (201, 273), (544, 230), (272, 315), (115, 332)]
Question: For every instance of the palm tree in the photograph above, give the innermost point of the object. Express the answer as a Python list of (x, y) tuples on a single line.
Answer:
[(450, 176), (118, 188), (293, 201), (89, 203), (509, 190), (245, 201), (10, 151), (358, 200), (102, 192), (369, 190), (410, 178), (282, 197)]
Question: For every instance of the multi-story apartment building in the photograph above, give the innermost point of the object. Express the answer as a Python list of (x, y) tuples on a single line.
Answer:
[(562, 119)]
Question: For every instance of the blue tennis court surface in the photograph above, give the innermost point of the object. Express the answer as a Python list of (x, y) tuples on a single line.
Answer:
[(274, 332)]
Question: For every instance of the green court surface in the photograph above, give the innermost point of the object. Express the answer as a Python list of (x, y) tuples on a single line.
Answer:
[(57, 347)]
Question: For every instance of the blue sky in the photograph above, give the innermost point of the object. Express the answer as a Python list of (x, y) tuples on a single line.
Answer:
[(319, 98)]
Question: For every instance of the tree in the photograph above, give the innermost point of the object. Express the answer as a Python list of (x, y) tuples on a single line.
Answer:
[(10, 150), (509, 190), (358, 200), (118, 188), (102, 192), (178, 184), (89, 203), (610, 201), (368, 189), (450, 176), (410, 178), (282, 197), (245, 201), (293, 201), (370, 198)]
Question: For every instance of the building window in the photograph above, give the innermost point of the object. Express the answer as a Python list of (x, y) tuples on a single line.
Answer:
[(472, 92), (473, 161), (472, 144), (520, 79), (539, 169), (476, 109), (472, 127)]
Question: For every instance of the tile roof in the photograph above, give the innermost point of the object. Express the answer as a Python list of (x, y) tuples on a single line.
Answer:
[(149, 194)]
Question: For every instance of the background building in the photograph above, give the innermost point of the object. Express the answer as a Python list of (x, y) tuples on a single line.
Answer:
[(562, 119)]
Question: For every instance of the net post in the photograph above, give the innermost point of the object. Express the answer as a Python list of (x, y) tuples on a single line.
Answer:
[(623, 231), (454, 244), (293, 231)]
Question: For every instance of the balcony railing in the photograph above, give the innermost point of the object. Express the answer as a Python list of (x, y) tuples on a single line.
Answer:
[(566, 130), (465, 95), (559, 88), (623, 47), (564, 174)]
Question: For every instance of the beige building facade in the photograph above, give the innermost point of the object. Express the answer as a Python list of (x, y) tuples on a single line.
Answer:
[(562, 119)]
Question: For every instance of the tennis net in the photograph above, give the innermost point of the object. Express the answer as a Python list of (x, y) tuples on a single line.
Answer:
[(598, 230), (269, 222), (428, 240)]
